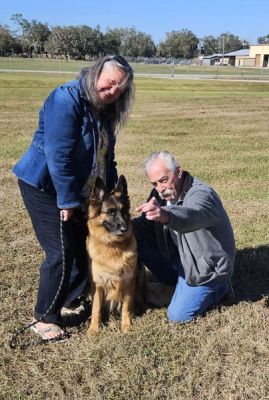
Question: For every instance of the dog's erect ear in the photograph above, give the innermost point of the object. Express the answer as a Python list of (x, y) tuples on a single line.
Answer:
[(99, 189), (122, 186)]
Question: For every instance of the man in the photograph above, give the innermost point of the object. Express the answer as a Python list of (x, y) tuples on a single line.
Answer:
[(185, 238)]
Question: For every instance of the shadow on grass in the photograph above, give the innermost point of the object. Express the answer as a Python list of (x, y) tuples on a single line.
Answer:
[(251, 274), (250, 283), (75, 320)]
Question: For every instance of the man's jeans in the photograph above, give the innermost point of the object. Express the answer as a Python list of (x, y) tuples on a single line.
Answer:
[(45, 217), (187, 301)]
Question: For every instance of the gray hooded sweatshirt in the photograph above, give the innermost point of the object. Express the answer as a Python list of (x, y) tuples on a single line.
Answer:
[(201, 230)]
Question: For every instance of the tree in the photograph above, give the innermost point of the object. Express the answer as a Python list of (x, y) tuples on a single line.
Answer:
[(61, 41), (38, 34), (7, 41), (263, 39), (224, 43), (32, 35), (145, 45), (75, 41), (209, 44), (228, 42), (134, 43), (91, 42), (179, 44), (112, 41)]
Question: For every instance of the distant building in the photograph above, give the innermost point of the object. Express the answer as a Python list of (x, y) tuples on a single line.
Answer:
[(212, 59), (236, 58), (256, 56), (260, 54)]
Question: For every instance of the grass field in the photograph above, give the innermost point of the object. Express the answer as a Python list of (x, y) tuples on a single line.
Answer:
[(219, 132), (61, 67)]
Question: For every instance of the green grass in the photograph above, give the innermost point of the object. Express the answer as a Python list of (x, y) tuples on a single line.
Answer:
[(61, 66), (219, 132)]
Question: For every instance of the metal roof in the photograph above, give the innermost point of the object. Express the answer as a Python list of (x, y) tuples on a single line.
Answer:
[(242, 52), (213, 56)]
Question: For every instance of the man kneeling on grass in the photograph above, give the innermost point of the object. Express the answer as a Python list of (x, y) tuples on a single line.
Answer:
[(185, 238)]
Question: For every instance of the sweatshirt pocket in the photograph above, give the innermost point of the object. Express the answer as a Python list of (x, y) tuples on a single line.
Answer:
[(206, 270), (205, 266)]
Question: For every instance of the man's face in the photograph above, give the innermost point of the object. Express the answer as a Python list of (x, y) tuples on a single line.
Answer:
[(109, 85), (164, 180)]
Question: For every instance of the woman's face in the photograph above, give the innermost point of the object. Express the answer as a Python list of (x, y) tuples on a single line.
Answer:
[(110, 84)]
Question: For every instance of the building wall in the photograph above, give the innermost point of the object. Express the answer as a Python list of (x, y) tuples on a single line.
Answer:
[(244, 61), (260, 53), (206, 61), (210, 61)]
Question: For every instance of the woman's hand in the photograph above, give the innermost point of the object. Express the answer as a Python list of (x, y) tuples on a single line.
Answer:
[(65, 215)]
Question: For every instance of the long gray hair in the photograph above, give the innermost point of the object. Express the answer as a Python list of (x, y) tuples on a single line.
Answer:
[(115, 114)]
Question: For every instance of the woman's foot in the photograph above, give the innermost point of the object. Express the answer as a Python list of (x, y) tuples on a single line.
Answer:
[(49, 332)]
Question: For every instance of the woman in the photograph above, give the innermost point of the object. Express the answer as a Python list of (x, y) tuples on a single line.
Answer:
[(74, 143)]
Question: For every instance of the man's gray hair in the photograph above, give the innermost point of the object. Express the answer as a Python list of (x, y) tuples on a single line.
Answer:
[(167, 157), (117, 112)]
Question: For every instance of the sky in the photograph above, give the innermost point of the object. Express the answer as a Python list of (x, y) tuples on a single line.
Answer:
[(247, 19)]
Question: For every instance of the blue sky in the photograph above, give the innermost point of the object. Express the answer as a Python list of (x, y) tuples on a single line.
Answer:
[(246, 18)]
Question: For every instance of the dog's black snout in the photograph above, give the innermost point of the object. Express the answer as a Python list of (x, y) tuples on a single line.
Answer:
[(122, 228)]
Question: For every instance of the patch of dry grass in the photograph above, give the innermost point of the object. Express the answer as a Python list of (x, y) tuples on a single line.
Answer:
[(219, 132)]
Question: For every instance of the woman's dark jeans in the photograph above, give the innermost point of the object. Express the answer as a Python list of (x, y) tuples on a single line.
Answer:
[(45, 217)]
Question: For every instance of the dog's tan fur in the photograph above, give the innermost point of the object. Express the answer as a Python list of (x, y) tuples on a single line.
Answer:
[(113, 261)]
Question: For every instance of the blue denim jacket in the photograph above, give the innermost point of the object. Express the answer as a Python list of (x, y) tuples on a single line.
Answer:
[(61, 155)]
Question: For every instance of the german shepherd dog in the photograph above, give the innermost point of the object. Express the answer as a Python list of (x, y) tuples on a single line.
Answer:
[(111, 246)]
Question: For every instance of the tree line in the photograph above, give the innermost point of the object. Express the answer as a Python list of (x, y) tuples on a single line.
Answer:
[(33, 38)]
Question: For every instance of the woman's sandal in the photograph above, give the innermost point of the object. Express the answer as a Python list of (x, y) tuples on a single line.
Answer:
[(46, 332)]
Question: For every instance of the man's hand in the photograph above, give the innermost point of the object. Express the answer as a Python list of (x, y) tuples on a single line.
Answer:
[(153, 211), (65, 215)]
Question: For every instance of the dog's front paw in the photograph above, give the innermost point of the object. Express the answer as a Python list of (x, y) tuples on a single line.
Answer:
[(93, 330), (126, 327)]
